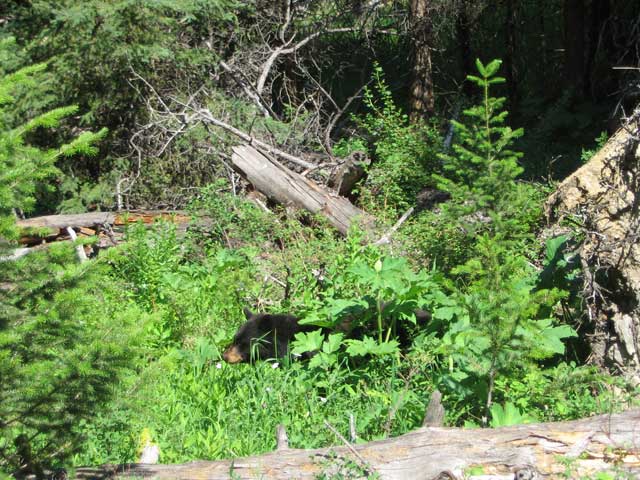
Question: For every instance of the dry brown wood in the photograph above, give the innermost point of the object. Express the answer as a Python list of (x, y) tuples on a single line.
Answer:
[(601, 443), (601, 199), (64, 221), (90, 219), (38, 232), (290, 188)]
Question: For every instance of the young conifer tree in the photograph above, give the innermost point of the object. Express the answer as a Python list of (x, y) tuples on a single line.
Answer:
[(22, 166), (480, 173), (66, 330)]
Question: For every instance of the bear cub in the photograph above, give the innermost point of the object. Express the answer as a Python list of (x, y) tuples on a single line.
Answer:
[(263, 336)]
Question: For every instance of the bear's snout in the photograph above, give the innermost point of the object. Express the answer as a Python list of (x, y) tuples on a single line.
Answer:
[(233, 355)]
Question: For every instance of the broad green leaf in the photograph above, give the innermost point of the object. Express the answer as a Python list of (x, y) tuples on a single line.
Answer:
[(307, 342), (333, 342), (554, 245)]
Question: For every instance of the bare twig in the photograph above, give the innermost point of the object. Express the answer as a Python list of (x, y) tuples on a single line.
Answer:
[(283, 50), (336, 116), (205, 114), (351, 448), (386, 238), (249, 91), (79, 248)]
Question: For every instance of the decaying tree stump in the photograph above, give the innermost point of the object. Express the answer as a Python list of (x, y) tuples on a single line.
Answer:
[(287, 187), (547, 450), (603, 198)]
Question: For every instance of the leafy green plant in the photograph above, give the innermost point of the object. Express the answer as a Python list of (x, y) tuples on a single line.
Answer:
[(383, 297), (494, 322), (405, 154), (234, 220), (507, 414)]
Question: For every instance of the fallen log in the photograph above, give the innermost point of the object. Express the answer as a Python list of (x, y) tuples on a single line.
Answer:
[(287, 187), (78, 220), (546, 450), (38, 232)]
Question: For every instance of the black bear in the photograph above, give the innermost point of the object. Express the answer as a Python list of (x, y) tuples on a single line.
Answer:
[(266, 335), (263, 336)]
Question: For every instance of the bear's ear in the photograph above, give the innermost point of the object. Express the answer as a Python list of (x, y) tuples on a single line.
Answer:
[(247, 313)]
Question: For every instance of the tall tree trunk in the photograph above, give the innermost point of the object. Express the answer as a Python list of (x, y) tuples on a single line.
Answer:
[(510, 52), (464, 45), (542, 10), (596, 39), (422, 101), (574, 45)]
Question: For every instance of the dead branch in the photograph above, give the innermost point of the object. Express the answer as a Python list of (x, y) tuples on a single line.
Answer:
[(386, 238), (249, 91), (204, 114), (283, 50)]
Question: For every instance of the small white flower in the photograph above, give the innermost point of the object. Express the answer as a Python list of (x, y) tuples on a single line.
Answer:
[(322, 399), (268, 389), (275, 365), (218, 365)]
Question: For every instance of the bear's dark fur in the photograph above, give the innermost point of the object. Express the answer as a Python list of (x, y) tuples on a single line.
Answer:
[(266, 335), (263, 336)]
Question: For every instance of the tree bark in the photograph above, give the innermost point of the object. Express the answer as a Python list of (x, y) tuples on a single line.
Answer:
[(463, 35), (284, 186), (510, 52), (546, 450), (603, 197), (597, 40), (574, 45), (422, 101)]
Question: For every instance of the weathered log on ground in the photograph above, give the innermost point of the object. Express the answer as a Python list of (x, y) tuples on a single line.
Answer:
[(284, 186), (100, 218), (38, 232), (601, 443), (603, 198)]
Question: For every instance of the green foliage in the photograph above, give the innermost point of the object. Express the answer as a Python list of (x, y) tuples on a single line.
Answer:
[(368, 293), (187, 393), (405, 154), (587, 154), (23, 167), (210, 406), (509, 414), (97, 43), (189, 299), (234, 219), (481, 173), (66, 336), (494, 324), (564, 392)]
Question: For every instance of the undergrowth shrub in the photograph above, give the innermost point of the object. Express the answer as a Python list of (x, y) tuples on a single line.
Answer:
[(405, 154), (198, 408), (67, 336)]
